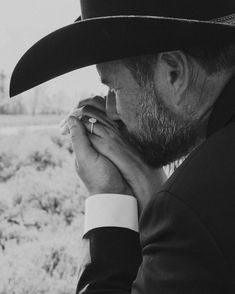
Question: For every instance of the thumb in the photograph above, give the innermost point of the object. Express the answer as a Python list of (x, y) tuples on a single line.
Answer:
[(81, 144)]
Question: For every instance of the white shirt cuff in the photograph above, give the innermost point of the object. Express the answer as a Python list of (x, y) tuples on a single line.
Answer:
[(111, 210)]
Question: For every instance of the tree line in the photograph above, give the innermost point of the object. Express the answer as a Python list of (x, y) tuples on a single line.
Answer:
[(36, 101)]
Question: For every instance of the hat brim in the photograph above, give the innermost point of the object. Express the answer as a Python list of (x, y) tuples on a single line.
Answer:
[(103, 39)]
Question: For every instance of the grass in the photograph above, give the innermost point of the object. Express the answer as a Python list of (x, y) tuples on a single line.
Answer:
[(41, 211)]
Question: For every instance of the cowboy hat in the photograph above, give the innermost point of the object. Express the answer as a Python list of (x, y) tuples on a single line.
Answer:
[(115, 29)]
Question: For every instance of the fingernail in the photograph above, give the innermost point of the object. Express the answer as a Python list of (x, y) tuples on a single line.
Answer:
[(75, 113), (64, 130), (72, 121)]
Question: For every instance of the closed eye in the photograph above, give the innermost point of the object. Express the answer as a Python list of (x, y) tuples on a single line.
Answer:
[(106, 82), (110, 85)]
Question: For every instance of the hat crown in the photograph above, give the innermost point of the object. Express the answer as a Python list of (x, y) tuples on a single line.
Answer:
[(185, 9)]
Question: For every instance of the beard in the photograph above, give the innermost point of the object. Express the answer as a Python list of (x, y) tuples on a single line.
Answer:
[(161, 136)]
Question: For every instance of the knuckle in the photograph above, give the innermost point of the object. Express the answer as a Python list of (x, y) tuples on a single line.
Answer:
[(78, 167), (112, 135), (93, 101), (73, 128), (107, 147), (85, 108), (110, 149), (73, 136), (98, 99), (76, 112), (84, 101)]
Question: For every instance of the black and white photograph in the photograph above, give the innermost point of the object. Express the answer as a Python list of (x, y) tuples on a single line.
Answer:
[(117, 147)]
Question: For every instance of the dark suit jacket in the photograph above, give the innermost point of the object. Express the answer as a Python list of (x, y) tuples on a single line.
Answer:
[(187, 233)]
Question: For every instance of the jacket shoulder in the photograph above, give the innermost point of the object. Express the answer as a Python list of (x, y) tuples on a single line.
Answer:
[(206, 183), (209, 170)]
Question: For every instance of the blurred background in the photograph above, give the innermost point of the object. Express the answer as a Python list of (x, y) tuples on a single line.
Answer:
[(41, 198)]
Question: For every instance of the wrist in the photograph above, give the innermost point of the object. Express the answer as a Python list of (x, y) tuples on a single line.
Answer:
[(151, 181), (125, 190)]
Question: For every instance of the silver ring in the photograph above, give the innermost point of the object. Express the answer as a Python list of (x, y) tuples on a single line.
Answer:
[(92, 120)]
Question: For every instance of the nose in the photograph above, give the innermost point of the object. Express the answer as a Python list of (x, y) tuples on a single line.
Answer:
[(111, 109)]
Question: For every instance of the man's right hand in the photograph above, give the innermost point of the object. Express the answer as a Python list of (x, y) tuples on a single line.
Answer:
[(97, 172)]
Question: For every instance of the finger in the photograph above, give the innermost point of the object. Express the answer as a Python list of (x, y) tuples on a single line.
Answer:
[(111, 109), (63, 126), (97, 102), (64, 130), (90, 111), (117, 150), (84, 114), (98, 129), (81, 144), (76, 112), (62, 123)]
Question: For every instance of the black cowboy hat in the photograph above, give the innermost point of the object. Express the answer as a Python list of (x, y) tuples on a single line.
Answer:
[(114, 29)]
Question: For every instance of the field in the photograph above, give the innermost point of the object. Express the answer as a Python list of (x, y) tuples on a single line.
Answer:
[(41, 209), (28, 120)]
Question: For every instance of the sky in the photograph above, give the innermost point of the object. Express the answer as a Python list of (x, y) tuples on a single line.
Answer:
[(24, 22)]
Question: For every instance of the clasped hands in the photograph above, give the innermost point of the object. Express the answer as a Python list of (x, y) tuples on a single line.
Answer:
[(106, 162)]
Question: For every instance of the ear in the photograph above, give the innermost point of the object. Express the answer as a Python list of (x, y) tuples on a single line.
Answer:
[(175, 69)]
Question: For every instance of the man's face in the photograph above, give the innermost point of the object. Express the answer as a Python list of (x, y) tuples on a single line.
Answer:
[(146, 121)]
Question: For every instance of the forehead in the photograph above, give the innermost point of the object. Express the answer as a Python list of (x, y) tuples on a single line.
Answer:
[(115, 72)]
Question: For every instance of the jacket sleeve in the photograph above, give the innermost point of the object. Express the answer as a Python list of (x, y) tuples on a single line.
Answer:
[(178, 253), (115, 257)]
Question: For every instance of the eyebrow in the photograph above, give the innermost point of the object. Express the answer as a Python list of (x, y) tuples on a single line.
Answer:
[(105, 81)]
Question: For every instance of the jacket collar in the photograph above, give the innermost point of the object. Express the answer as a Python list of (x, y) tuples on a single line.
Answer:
[(223, 112)]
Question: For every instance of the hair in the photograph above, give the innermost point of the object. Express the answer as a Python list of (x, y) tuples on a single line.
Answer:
[(212, 59)]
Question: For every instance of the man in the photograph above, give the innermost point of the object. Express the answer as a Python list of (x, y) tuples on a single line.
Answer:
[(174, 97)]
